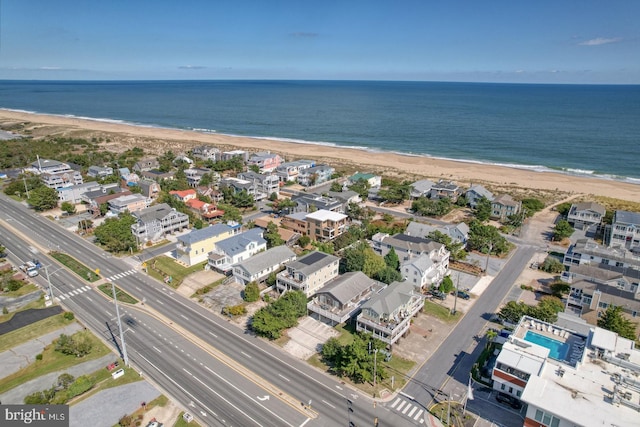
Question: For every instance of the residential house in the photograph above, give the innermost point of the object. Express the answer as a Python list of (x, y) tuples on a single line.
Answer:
[(206, 211), (241, 154), (129, 203), (342, 297), (216, 196), (265, 184), (475, 193), (261, 265), (97, 197), (309, 273), (206, 152), (423, 272), (444, 189), (583, 215), (387, 315), (324, 226), (407, 247), (146, 164), (155, 222), (309, 202), (457, 232), (55, 174), (195, 246), (625, 230), (182, 158), (194, 175), (289, 171), (290, 237), (236, 248), (100, 171), (503, 206), (238, 185), (567, 376), (48, 166), (128, 178), (149, 188), (588, 252), (315, 175), (421, 188), (266, 162), (157, 175), (374, 181), (184, 195), (345, 197), (75, 193), (296, 222)]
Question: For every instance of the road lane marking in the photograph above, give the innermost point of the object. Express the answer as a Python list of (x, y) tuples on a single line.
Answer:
[(305, 421), (401, 405), (89, 298), (328, 404), (160, 302), (404, 411), (410, 414), (108, 314), (418, 415), (157, 349), (395, 402), (187, 372), (184, 317), (245, 354), (284, 378), (214, 335)]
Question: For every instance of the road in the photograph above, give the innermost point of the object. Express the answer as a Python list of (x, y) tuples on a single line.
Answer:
[(292, 380)]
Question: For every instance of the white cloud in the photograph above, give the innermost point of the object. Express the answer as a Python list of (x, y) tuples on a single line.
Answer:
[(192, 67), (600, 41)]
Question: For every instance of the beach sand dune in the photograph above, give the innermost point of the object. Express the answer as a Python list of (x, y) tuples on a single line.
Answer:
[(157, 140)]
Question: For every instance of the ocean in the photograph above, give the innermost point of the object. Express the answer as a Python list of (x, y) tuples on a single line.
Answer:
[(591, 130)]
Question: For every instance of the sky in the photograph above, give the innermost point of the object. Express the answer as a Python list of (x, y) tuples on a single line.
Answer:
[(534, 41)]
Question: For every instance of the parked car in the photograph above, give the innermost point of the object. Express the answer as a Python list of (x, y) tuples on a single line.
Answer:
[(507, 399), (439, 295), (462, 294), (32, 273)]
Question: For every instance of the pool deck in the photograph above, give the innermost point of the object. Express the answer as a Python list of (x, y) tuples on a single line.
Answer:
[(576, 343)]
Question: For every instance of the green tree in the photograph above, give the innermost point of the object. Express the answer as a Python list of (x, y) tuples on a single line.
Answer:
[(392, 260), (486, 238), (429, 207), (547, 309), (272, 236), (552, 265), (65, 380), (231, 213), (336, 187), (284, 206), (513, 311), (17, 186), (563, 208), (360, 257), (242, 199), (562, 230), (613, 320), (447, 285), (104, 208), (43, 198), (388, 275), (251, 292), (254, 168), (115, 233), (68, 207), (532, 206), (560, 289), (361, 187), (304, 241), (483, 209), (456, 249)]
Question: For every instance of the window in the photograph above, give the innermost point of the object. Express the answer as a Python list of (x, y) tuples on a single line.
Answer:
[(518, 393), (502, 386), (546, 419)]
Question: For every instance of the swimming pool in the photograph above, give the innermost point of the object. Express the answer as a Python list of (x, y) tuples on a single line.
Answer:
[(557, 350)]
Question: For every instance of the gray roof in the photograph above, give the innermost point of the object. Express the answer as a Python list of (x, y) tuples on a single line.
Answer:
[(481, 191), (238, 243), (263, 260), (423, 186), (155, 213), (100, 192), (610, 294), (342, 195), (312, 262), (347, 286), (300, 216), (413, 243), (204, 233), (391, 298), (505, 200), (591, 206), (422, 263), (627, 217), (318, 201)]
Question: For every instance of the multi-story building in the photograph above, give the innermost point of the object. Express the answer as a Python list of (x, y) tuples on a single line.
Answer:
[(261, 265), (206, 152), (444, 189), (236, 248), (184, 195), (265, 184), (586, 214), (309, 273), (407, 247), (457, 232), (503, 206), (387, 315), (289, 171), (374, 181), (315, 175), (241, 154), (570, 375), (324, 226), (195, 246), (625, 230), (342, 297), (475, 193), (146, 164), (75, 193), (55, 174), (149, 188), (155, 222), (100, 171), (129, 203), (206, 211), (266, 162), (194, 175), (424, 272), (421, 188), (308, 202), (588, 252), (239, 185)]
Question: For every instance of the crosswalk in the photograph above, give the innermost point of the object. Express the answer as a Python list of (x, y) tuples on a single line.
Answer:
[(73, 293), (120, 275), (408, 409)]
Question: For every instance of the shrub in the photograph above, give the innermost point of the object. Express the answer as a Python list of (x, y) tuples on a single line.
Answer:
[(14, 285), (5, 310), (79, 386), (234, 310), (251, 292), (39, 356), (68, 315)]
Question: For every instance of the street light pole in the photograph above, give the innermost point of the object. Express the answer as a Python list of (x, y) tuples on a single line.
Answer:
[(46, 270), (124, 347), (455, 299), (375, 366)]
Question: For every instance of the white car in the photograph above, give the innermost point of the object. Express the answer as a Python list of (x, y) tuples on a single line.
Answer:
[(32, 273)]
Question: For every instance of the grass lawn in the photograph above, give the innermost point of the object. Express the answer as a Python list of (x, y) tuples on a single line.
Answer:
[(103, 381), (120, 294), (52, 361), (161, 267), (180, 422), (75, 266), (24, 290), (34, 330), (440, 312), (39, 303)]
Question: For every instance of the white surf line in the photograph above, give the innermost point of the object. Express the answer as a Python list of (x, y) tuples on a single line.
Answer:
[(248, 397)]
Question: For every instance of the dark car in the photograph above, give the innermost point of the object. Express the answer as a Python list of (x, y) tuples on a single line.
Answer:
[(439, 295), (507, 399), (462, 294)]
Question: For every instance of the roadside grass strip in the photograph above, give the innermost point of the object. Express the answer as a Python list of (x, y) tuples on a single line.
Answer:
[(32, 331), (75, 266), (120, 294), (441, 312), (167, 270)]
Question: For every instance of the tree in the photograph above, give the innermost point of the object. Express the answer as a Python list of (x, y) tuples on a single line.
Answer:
[(304, 241), (563, 208), (456, 249), (68, 207), (552, 265), (242, 199), (486, 238), (254, 168), (360, 257), (104, 208), (115, 233), (284, 206), (78, 345), (392, 260), (513, 311), (447, 285), (65, 380), (559, 289), (483, 209), (613, 320), (429, 207), (361, 187), (388, 275), (562, 230), (231, 213), (336, 187), (43, 198), (251, 292), (547, 309), (272, 236), (532, 206)]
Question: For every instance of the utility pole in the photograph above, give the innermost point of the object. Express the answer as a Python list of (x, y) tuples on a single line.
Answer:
[(124, 347), (455, 299), (375, 371), (486, 266), (46, 270), (24, 179)]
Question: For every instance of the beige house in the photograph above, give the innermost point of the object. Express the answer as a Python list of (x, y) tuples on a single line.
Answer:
[(194, 247), (321, 225), (503, 206), (309, 273)]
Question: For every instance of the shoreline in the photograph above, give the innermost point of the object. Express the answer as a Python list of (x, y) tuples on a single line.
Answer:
[(463, 171)]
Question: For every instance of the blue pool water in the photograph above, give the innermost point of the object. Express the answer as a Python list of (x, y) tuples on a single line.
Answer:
[(557, 350)]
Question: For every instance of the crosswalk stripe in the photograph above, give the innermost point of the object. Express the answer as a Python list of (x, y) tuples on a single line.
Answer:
[(401, 405), (86, 288), (393, 405), (62, 297), (406, 409), (412, 411), (418, 415)]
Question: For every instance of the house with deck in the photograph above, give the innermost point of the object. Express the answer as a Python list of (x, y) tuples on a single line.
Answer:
[(586, 214), (625, 230), (308, 273), (475, 193), (235, 249), (265, 161), (261, 265), (157, 221), (503, 206), (195, 246)]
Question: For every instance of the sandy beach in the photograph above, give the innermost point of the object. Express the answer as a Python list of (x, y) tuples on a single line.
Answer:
[(157, 140)]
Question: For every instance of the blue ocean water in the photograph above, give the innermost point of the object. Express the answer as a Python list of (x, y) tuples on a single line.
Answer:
[(580, 129)]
